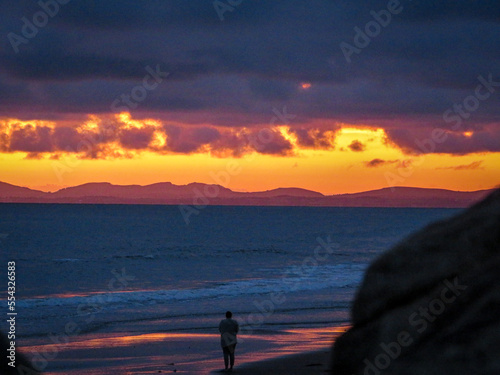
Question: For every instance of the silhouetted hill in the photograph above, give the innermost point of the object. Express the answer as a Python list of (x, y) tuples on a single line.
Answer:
[(286, 192), (8, 190), (203, 194), (155, 191), (409, 197)]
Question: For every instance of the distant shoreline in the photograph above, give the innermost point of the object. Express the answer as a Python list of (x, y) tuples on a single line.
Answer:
[(196, 196), (234, 205)]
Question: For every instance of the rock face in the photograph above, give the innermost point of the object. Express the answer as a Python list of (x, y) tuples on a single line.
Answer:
[(22, 365), (431, 305)]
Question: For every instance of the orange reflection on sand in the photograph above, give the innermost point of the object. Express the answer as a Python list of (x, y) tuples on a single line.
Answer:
[(308, 339), (88, 294), (152, 337), (290, 342), (124, 341), (198, 353)]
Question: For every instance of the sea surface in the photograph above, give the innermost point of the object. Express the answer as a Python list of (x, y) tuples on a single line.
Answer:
[(83, 271)]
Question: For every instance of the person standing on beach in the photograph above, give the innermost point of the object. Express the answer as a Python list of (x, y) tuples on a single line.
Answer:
[(228, 329)]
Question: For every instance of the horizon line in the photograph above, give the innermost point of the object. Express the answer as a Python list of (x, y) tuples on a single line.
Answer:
[(258, 191)]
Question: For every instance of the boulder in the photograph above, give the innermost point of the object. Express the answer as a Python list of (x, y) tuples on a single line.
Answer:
[(430, 305), (12, 361)]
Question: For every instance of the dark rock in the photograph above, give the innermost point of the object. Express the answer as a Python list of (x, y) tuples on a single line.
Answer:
[(22, 365), (431, 305)]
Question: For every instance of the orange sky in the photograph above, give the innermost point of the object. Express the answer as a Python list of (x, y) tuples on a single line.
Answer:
[(180, 104), (341, 168)]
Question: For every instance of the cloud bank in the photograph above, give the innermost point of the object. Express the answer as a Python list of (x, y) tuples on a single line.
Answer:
[(119, 136), (233, 73)]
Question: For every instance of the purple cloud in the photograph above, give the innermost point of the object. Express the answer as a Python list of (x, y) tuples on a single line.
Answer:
[(357, 146)]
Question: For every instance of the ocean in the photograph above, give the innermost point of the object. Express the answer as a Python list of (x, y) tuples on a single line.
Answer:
[(88, 272)]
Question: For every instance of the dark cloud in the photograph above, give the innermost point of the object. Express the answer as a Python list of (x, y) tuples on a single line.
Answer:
[(473, 165), (439, 140), (31, 139), (36, 139), (270, 141), (271, 90), (312, 138), (183, 140), (66, 138), (205, 135), (446, 9), (135, 138), (357, 146), (374, 163), (99, 137), (426, 60)]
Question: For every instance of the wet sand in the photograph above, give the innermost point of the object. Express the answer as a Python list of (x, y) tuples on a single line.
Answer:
[(297, 351), (309, 363)]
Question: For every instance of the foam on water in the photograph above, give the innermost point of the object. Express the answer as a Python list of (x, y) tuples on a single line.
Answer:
[(295, 279), (66, 256)]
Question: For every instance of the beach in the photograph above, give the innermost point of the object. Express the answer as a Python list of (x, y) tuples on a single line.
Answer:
[(305, 351), (309, 363)]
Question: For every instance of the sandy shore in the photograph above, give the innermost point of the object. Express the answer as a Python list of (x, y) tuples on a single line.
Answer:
[(290, 351), (317, 362)]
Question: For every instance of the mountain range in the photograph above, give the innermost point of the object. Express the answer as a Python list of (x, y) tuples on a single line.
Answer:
[(198, 194)]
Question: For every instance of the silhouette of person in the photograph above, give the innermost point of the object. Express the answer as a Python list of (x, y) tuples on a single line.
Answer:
[(228, 329)]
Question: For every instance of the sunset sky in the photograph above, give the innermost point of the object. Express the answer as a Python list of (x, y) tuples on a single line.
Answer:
[(332, 96)]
